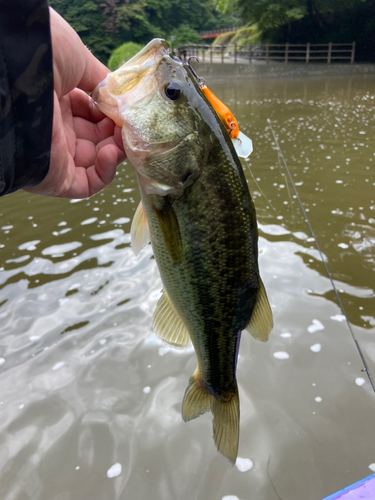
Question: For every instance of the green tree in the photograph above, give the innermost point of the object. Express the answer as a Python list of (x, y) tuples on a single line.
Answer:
[(122, 54), (87, 19), (104, 25), (183, 35)]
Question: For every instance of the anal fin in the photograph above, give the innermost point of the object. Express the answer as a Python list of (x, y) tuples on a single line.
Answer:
[(261, 322), (168, 324)]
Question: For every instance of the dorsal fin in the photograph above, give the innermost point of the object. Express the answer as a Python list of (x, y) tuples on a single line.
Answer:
[(168, 324), (261, 322), (140, 232)]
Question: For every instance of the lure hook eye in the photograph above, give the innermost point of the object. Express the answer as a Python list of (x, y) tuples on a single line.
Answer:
[(201, 81)]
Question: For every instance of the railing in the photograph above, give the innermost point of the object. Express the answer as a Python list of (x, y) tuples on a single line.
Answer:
[(215, 33), (266, 53)]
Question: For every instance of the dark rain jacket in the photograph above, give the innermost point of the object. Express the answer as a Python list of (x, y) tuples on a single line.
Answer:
[(26, 93)]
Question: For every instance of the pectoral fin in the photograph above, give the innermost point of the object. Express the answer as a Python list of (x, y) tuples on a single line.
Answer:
[(261, 322), (168, 324), (243, 145), (140, 232), (169, 227)]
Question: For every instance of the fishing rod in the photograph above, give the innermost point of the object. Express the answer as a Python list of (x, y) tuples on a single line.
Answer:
[(365, 365)]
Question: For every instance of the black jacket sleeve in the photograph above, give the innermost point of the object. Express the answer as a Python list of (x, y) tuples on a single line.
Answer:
[(26, 93)]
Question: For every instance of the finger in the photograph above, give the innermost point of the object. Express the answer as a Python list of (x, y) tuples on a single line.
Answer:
[(89, 181), (86, 152), (104, 171), (94, 71), (95, 132), (84, 107), (74, 64)]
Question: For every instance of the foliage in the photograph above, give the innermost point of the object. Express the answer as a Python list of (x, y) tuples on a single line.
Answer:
[(87, 19), (314, 21), (104, 25), (243, 36), (122, 54), (184, 35)]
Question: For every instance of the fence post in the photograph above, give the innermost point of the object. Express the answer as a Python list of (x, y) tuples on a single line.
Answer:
[(286, 52), (211, 53), (352, 54), (203, 53), (222, 54), (308, 53), (267, 52), (250, 54), (329, 53), (235, 53)]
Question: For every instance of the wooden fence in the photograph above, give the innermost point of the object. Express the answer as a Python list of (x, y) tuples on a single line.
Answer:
[(266, 53)]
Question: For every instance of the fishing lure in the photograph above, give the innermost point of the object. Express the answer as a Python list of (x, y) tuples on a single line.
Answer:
[(242, 144)]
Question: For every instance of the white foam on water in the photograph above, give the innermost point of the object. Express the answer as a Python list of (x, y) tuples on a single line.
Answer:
[(102, 341), (285, 335), (77, 468), (114, 471), (343, 245), (62, 249), (244, 464), (273, 229), (21, 407), (318, 399), (58, 365), (230, 497), (372, 467), (33, 338), (360, 381), (281, 355), (29, 245), (316, 348), (121, 220), (315, 327), (300, 235), (146, 390), (89, 221), (2, 361), (338, 317)]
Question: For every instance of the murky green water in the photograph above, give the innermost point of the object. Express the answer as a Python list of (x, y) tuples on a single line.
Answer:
[(85, 385)]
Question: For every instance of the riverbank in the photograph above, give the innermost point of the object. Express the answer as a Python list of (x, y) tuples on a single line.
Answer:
[(224, 72)]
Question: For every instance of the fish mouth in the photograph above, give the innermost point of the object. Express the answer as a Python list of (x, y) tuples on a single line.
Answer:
[(121, 85)]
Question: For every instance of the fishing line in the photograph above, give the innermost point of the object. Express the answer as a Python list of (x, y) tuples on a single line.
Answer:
[(260, 189), (288, 190), (366, 368)]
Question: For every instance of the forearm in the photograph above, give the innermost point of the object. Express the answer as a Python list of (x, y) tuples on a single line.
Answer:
[(26, 93)]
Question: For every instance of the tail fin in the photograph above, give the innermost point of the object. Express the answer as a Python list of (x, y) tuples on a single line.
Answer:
[(226, 412), (227, 425)]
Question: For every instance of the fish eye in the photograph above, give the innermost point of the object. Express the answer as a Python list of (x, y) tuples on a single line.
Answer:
[(173, 90)]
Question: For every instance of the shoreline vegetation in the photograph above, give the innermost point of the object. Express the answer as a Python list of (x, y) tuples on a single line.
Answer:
[(105, 25)]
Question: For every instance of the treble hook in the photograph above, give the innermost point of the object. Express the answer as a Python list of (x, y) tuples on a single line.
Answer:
[(201, 81)]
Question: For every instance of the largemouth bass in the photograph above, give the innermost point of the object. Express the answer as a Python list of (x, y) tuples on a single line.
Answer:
[(197, 211)]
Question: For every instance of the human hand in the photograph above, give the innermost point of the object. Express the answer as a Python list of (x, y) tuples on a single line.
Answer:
[(86, 145)]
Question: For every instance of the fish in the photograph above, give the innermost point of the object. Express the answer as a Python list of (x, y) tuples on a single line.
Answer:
[(197, 211)]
